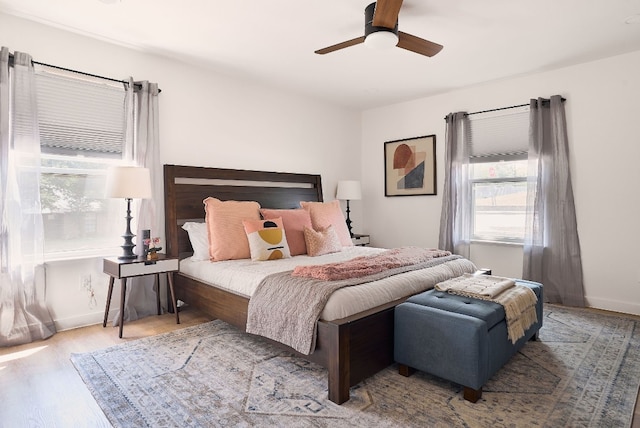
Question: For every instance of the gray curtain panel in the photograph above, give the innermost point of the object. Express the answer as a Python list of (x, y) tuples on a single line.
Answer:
[(142, 148), (552, 246), (455, 220), (24, 316)]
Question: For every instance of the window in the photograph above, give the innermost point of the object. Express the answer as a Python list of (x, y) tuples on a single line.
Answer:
[(499, 200), (498, 146), (82, 133)]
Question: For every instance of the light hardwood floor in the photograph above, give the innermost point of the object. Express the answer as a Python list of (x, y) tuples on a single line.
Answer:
[(39, 387)]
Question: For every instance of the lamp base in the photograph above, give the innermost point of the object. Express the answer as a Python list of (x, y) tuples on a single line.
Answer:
[(349, 220), (128, 246)]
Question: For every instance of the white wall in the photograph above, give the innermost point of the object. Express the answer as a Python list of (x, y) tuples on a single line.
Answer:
[(206, 119), (210, 119), (602, 113)]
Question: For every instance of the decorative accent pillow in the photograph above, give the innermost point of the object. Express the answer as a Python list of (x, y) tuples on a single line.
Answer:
[(322, 241), (324, 214), (267, 239), (199, 240), (227, 239), (294, 222)]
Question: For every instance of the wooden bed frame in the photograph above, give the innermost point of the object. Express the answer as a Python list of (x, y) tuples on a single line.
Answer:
[(351, 348)]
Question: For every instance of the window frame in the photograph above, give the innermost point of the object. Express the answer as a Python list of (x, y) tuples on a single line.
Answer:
[(99, 135), (496, 136)]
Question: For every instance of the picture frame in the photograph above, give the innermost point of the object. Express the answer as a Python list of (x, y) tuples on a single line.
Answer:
[(410, 166)]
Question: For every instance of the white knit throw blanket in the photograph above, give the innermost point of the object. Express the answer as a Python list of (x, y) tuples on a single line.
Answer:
[(519, 302)]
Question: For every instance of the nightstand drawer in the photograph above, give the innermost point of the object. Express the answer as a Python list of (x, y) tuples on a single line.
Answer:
[(119, 269), (362, 240), (135, 269)]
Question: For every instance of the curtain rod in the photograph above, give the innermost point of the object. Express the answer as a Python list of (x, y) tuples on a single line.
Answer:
[(137, 85), (496, 109), (504, 108)]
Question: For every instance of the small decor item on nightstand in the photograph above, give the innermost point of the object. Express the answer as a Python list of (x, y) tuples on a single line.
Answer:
[(152, 252), (146, 235), (348, 190)]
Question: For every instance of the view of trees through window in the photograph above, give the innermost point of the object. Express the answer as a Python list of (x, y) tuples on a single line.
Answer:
[(499, 197), (76, 215)]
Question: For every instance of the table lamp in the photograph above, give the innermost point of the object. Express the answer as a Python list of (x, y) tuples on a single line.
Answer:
[(128, 182), (348, 190)]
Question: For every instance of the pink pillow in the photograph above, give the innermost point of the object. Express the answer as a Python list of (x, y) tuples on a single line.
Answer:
[(294, 222), (227, 238), (324, 214), (322, 241)]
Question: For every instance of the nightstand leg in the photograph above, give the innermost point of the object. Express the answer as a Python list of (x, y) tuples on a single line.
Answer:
[(106, 309), (174, 302), (157, 288), (123, 294)]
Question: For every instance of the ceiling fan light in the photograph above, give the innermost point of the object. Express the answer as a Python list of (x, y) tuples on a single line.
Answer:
[(381, 40)]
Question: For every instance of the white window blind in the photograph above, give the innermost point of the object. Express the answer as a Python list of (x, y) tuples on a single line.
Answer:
[(79, 114), (500, 135)]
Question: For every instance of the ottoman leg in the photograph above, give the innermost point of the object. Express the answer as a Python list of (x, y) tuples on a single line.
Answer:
[(471, 394)]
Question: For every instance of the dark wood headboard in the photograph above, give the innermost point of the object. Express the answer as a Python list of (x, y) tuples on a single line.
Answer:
[(186, 187)]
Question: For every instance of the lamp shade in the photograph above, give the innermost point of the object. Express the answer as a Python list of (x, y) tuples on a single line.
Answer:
[(349, 190), (130, 182)]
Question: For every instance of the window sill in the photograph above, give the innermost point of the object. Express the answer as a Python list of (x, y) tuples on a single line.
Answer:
[(499, 243), (79, 255)]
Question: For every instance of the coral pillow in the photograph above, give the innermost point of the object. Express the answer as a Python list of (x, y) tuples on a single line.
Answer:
[(324, 214), (294, 222), (322, 241), (267, 239), (227, 238)]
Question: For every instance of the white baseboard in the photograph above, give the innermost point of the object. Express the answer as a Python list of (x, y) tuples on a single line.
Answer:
[(83, 320), (632, 308)]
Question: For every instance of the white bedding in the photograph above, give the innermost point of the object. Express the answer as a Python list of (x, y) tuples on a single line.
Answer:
[(243, 276)]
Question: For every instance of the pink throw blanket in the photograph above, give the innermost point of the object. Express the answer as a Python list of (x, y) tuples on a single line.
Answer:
[(369, 265)]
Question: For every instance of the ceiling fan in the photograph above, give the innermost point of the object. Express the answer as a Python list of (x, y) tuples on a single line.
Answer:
[(381, 28)]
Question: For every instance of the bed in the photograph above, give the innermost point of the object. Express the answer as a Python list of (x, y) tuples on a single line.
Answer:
[(351, 348)]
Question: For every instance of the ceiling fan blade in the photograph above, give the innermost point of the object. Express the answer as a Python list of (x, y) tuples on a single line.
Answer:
[(417, 45), (386, 13), (342, 45)]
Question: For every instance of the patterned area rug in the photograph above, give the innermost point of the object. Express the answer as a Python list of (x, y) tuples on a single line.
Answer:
[(584, 371)]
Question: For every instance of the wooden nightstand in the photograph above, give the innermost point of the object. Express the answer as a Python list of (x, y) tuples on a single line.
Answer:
[(361, 240), (123, 269)]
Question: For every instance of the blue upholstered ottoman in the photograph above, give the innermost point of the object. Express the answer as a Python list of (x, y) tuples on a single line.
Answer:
[(459, 339)]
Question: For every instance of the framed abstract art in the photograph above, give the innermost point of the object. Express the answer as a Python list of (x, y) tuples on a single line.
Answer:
[(410, 166)]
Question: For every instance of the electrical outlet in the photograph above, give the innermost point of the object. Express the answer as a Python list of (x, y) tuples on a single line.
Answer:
[(85, 285), (85, 282)]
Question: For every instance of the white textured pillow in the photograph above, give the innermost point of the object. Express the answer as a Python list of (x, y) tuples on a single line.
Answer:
[(199, 238), (321, 242)]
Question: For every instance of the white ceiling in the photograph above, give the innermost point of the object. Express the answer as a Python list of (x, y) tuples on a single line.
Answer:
[(273, 41)]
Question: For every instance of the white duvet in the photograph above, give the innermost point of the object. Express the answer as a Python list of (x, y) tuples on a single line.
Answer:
[(243, 276)]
